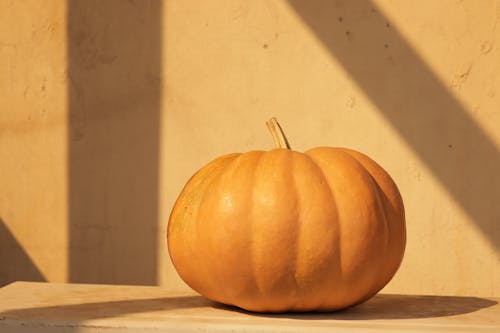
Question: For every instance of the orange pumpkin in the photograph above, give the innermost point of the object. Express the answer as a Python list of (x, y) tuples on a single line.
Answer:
[(283, 231)]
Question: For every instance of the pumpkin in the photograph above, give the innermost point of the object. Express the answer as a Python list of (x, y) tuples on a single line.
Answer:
[(280, 230)]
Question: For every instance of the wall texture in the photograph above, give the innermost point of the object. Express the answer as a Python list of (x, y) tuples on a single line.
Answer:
[(33, 141), (98, 134)]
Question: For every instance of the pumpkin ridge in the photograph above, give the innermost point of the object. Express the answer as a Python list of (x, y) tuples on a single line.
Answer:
[(258, 287), (323, 175), (210, 278), (339, 225), (384, 200), (290, 161), (378, 191), (227, 172), (269, 232), (185, 194), (251, 214), (298, 225)]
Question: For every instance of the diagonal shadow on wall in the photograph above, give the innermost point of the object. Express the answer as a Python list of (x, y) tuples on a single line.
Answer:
[(114, 67), (414, 101), (13, 252)]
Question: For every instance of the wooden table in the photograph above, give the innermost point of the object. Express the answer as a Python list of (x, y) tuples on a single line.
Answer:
[(54, 308)]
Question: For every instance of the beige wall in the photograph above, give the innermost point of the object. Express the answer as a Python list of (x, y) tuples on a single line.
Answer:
[(94, 163), (33, 141)]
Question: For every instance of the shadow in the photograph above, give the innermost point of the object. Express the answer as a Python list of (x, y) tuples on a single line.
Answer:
[(414, 101), (379, 307), (15, 264), (391, 307), (114, 71), (98, 310)]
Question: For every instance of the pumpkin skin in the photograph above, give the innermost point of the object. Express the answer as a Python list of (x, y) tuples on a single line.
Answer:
[(284, 231)]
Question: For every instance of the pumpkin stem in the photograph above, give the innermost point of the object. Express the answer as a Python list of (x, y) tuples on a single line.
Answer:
[(279, 137)]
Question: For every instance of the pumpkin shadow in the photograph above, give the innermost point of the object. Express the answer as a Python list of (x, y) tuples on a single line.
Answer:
[(111, 309), (390, 307)]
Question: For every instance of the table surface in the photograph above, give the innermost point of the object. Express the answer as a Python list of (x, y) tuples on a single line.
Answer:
[(53, 307)]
